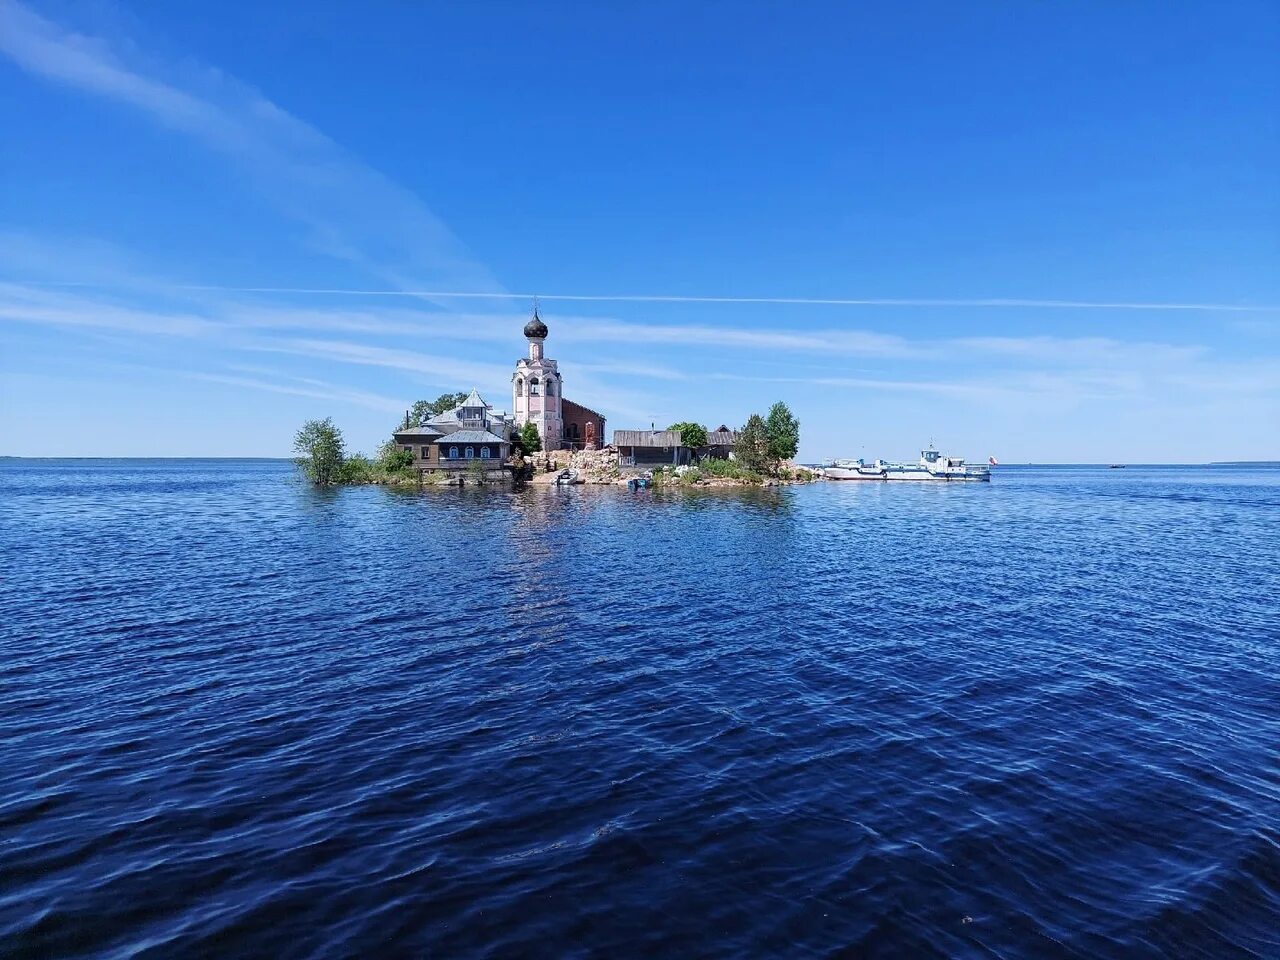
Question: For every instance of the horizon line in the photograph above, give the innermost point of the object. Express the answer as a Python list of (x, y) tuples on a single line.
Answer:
[(996, 302)]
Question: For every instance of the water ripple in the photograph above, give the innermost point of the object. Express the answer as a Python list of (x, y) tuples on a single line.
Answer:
[(241, 716)]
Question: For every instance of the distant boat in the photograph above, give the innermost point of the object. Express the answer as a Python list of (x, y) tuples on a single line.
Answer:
[(931, 466), (1116, 466)]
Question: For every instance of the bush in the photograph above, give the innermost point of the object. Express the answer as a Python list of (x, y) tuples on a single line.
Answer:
[(395, 460), (356, 468), (729, 470)]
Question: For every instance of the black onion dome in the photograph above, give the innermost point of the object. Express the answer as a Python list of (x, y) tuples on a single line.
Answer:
[(535, 328)]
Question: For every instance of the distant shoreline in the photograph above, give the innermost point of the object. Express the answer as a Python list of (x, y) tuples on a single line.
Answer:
[(1003, 466)]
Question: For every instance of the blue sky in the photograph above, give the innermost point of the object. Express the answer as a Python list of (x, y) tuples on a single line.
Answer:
[(1060, 223)]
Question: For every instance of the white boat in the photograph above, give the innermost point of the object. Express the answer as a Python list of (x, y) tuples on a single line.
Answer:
[(931, 466)]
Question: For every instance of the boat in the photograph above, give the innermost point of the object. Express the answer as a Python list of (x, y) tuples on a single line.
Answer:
[(931, 466), (1116, 466), (567, 477), (643, 482)]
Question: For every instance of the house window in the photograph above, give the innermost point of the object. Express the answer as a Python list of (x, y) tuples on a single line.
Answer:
[(471, 453), (426, 453), (484, 453), (453, 453), (408, 449)]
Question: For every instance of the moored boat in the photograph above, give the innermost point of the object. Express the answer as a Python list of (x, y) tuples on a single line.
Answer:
[(931, 466)]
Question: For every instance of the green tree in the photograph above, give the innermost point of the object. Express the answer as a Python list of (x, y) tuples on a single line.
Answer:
[(691, 434), (320, 450), (783, 431), (530, 442), (752, 448), (393, 458)]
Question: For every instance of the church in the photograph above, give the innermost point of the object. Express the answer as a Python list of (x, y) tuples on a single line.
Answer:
[(474, 430), (537, 397)]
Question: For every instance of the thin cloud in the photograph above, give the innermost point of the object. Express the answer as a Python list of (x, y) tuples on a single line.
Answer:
[(307, 387), (21, 304), (440, 370), (998, 303), (353, 212)]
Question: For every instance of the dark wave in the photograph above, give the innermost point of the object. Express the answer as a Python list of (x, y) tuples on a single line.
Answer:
[(1032, 719)]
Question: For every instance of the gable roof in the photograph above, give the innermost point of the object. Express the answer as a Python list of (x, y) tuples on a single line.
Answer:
[(474, 400), (646, 438)]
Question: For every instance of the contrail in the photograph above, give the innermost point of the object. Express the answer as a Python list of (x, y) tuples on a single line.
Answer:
[(671, 298)]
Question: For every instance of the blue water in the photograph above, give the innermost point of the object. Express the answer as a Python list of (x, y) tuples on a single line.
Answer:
[(1036, 718)]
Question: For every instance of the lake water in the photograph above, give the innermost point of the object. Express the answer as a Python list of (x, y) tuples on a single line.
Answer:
[(1036, 718)]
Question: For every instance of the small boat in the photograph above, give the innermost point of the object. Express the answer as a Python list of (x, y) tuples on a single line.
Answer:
[(567, 477), (1116, 466), (642, 482), (931, 466)]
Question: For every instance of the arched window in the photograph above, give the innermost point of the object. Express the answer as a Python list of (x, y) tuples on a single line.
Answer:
[(471, 453), (519, 386), (453, 453), (484, 453), (551, 387), (534, 389)]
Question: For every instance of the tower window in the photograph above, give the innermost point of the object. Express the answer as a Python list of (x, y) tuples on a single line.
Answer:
[(534, 388), (520, 386)]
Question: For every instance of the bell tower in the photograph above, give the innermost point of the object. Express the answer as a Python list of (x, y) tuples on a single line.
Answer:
[(536, 390)]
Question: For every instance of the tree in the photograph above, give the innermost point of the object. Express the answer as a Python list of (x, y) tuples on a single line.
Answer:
[(752, 447), (320, 449), (424, 410), (691, 434), (529, 441), (783, 431), (393, 458)]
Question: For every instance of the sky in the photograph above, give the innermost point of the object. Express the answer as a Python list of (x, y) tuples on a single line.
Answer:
[(1041, 232)]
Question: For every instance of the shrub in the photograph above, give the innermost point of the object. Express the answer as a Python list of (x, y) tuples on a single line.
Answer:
[(356, 468), (393, 459)]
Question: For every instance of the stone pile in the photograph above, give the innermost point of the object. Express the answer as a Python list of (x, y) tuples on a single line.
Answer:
[(596, 466)]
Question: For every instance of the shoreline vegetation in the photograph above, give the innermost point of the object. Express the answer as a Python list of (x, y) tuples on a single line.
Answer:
[(763, 456)]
